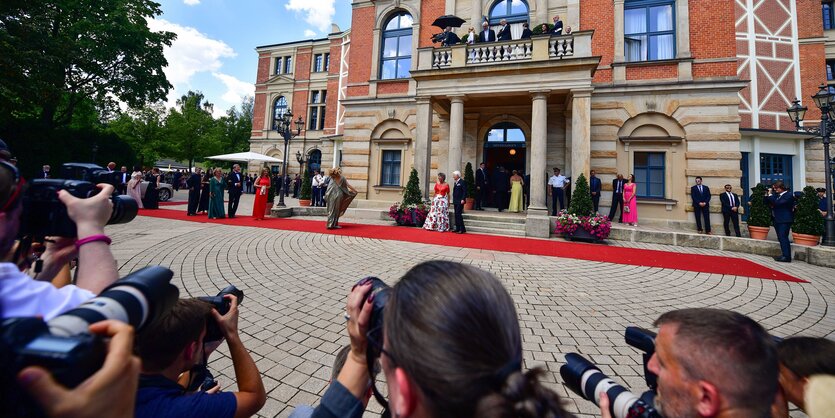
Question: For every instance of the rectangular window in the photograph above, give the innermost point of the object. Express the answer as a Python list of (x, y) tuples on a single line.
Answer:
[(288, 65), (827, 14), (830, 75), (649, 174), (390, 175), (277, 65), (318, 63), (313, 120), (327, 62), (316, 114), (649, 30)]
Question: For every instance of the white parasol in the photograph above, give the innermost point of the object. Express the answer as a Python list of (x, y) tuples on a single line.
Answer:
[(245, 156)]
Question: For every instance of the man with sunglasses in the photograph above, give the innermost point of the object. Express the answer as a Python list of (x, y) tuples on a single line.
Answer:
[(21, 295)]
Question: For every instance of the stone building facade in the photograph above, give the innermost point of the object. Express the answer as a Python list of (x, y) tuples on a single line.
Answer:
[(657, 88)]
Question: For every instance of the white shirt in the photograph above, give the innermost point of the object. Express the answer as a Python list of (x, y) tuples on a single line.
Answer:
[(23, 296), (557, 181), (317, 180), (731, 200)]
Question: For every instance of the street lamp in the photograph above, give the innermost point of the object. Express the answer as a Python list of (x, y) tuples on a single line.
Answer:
[(825, 101), (301, 160), (282, 126)]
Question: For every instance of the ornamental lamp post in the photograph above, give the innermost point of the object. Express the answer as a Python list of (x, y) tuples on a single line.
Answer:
[(301, 161), (825, 101), (283, 128)]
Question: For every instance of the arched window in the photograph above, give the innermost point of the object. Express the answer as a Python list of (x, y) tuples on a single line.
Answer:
[(505, 132), (396, 47), (279, 109), (314, 161), (514, 11)]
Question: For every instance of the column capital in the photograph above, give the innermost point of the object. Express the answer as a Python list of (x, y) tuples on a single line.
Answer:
[(581, 92), (456, 98), (423, 99), (540, 94)]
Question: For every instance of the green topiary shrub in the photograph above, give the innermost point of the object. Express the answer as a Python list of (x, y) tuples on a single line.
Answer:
[(807, 218), (581, 204), (305, 192), (412, 196), (759, 214), (469, 178), (537, 30)]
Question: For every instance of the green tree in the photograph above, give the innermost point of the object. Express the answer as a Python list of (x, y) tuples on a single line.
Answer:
[(412, 196), (236, 127), (581, 204), (469, 178), (759, 214), (191, 130), (305, 192), (55, 54), (144, 131), (807, 218)]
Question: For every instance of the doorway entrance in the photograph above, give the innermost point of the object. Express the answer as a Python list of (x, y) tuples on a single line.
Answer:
[(504, 151)]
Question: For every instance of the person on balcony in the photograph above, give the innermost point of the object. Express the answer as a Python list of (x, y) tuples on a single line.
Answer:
[(557, 26), (471, 36), (526, 32), (504, 32), (487, 34), (450, 38)]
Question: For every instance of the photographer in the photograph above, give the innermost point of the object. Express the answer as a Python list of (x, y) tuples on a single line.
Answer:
[(452, 347), (711, 363), (175, 345), (800, 359), (20, 295)]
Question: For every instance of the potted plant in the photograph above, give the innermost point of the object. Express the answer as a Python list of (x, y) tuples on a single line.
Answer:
[(808, 226), (759, 214), (305, 192), (469, 178), (413, 209), (580, 222)]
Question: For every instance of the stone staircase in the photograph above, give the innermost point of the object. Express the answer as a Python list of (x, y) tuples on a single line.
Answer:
[(493, 223)]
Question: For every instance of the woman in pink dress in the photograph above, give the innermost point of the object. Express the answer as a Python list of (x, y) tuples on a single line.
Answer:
[(630, 205)]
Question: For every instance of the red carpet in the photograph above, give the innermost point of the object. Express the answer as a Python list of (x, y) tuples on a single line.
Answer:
[(591, 252)]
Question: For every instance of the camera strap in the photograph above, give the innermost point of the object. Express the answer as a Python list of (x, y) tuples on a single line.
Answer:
[(158, 381)]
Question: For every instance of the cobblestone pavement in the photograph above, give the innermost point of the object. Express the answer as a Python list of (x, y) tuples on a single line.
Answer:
[(296, 284)]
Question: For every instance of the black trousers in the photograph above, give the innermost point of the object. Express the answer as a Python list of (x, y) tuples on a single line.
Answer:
[(617, 201), (193, 201), (234, 198), (557, 193), (459, 217), (731, 217), (480, 197), (595, 199), (702, 212), (501, 200)]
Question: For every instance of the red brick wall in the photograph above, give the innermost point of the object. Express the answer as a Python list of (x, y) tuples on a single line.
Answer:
[(714, 69), (393, 88), (809, 20), (712, 35), (812, 74), (362, 43), (600, 15), (429, 11), (333, 86), (303, 62), (300, 98), (258, 111), (652, 72), (263, 68)]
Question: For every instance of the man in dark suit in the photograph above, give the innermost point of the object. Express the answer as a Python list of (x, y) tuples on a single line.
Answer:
[(504, 32), (486, 34), (176, 182), (450, 38), (526, 189), (526, 31), (193, 184), (481, 184), (701, 205), (595, 187), (617, 198), (234, 183), (501, 183), (45, 173), (557, 30), (459, 195), (286, 185), (730, 209), (782, 207), (124, 177)]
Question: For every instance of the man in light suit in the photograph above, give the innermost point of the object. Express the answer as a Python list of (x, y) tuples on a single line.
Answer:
[(481, 183), (701, 205), (730, 209), (459, 195), (782, 210), (486, 34), (617, 198), (595, 187), (235, 185), (504, 32)]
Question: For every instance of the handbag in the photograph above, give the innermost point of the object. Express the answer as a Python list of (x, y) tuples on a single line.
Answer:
[(626, 209)]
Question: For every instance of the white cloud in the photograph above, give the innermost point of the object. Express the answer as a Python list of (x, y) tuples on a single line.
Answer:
[(235, 89), (319, 13), (309, 33), (191, 2)]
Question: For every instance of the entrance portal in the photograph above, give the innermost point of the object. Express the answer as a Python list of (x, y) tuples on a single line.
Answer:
[(504, 146)]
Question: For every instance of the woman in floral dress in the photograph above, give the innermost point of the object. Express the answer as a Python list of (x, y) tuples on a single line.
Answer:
[(438, 218)]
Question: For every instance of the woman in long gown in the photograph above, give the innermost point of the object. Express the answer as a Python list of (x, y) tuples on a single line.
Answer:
[(630, 204), (338, 196), (517, 202), (203, 206), (216, 196), (151, 198), (262, 191), (135, 188), (438, 217)]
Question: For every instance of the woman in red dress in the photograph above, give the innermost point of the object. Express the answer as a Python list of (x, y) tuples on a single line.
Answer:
[(438, 217), (262, 190)]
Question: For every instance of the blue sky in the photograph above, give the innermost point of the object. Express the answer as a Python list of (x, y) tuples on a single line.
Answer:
[(216, 39)]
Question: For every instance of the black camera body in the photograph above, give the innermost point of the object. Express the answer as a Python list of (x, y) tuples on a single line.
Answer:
[(44, 215), (438, 37), (222, 306), (63, 344)]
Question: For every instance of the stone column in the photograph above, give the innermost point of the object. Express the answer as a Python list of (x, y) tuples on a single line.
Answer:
[(476, 13), (619, 72), (539, 149), (580, 132), (423, 142), (456, 134)]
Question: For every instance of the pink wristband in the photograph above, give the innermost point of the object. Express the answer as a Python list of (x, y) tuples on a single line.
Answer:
[(93, 238)]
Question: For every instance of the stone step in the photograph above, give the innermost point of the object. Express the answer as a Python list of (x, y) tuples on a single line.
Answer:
[(370, 204), (494, 231), (510, 219), (499, 226)]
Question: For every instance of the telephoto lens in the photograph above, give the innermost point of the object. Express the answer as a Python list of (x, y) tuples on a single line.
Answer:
[(586, 380)]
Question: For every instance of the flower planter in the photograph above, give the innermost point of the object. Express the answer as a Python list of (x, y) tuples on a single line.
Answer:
[(758, 232), (304, 202), (580, 234), (469, 203), (804, 239)]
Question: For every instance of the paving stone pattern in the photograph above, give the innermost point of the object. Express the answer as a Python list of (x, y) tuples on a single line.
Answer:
[(296, 284)]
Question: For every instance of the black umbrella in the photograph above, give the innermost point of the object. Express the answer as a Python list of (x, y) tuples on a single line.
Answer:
[(448, 20)]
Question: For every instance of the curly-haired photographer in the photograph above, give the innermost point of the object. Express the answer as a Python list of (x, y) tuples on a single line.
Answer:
[(452, 347), (20, 295)]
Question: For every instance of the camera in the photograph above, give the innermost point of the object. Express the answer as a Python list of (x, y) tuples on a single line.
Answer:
[(438, 37), (201, 379), (381, 292), (44, 215), (63, 344), (588, 381)]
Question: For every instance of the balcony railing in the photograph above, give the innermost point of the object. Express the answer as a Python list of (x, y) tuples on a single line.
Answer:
[(538, 48)]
